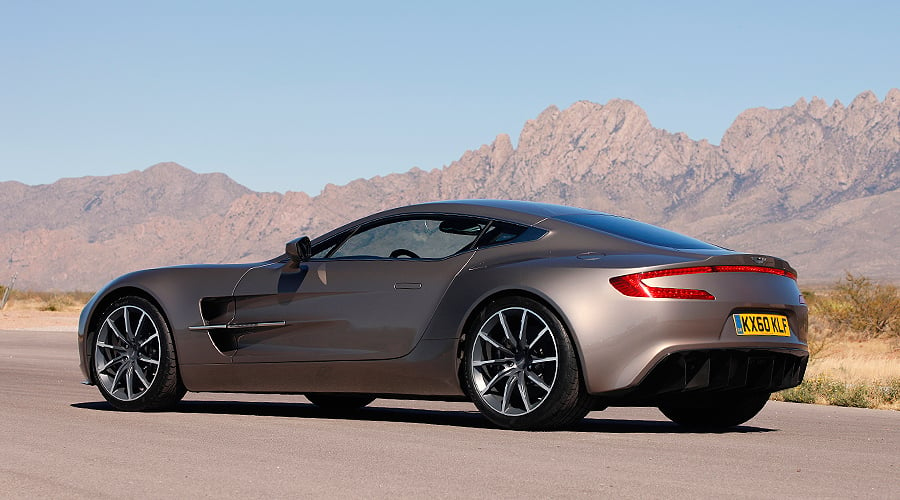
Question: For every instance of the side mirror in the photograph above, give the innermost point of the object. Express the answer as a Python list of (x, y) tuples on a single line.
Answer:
[(299, 249)]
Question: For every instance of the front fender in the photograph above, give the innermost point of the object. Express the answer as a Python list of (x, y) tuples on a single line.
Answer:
[(177, 291)]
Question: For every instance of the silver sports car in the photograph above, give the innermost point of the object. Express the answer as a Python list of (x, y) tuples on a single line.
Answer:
[(536, 313)]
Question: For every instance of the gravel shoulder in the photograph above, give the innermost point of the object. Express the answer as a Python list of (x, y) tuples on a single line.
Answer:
[(46, 321)]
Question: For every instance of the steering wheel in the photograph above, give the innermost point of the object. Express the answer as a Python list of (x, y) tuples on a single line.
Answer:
[(402, 252)]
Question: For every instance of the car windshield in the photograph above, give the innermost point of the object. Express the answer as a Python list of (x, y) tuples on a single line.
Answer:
[(638, 231)]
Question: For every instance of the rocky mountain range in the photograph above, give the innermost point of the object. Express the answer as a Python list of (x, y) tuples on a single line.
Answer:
[(817, 184)]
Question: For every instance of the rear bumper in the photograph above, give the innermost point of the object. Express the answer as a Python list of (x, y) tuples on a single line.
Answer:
[(620, 338), (684, 374)]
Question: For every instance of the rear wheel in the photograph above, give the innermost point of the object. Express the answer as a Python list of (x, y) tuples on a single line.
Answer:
[(521, 369), (134, 362), (340, 403), (716, 412)]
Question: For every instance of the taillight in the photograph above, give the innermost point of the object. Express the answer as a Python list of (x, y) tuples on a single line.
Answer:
[(633, 285)]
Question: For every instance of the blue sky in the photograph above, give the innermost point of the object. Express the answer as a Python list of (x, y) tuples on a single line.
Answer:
[(290, 95)]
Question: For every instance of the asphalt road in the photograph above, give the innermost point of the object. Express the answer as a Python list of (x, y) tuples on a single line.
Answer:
[(59, 439)]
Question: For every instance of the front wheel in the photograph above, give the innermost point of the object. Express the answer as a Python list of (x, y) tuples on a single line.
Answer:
[(134, 362), (521, 369), (716, 412)]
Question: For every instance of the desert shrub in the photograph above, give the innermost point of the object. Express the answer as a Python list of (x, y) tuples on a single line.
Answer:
[(803, 393), (80, 298), (890, 392), (861, 307), (830, 391), (50, 301), (821, 338), (852, 395), (57, 302), (23, 295), (821, 335)]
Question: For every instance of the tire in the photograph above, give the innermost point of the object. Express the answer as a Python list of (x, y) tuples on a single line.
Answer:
[(716, 412), (523, 376), (340, 403), (133, 358)]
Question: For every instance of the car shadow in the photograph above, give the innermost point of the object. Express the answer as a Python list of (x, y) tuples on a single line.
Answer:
[(618, 426), (452, 418)]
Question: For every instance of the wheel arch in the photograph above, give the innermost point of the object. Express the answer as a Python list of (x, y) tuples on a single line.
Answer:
[(104, 302), (485, 302)]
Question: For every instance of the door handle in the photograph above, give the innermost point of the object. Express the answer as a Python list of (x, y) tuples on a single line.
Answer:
[(407, 286)]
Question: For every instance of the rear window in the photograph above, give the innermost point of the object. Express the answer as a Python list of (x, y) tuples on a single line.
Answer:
[(638, 231)]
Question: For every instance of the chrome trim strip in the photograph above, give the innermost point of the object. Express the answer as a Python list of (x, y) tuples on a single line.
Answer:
[(208, 327), (238, 326)]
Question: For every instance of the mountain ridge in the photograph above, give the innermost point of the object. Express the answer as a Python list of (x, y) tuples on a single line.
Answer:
[(815, 174)]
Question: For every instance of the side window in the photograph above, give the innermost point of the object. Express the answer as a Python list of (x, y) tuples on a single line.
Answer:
[(431, 237), (500, 232), (322, 250)]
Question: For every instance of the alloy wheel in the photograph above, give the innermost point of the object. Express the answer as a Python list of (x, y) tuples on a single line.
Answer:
[(514, 361), (127, 353)]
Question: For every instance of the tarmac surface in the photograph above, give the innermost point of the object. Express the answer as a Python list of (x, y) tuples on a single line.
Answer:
[(58, 438)]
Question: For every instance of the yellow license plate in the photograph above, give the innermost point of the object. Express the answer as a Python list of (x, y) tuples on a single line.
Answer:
[(762, 324)]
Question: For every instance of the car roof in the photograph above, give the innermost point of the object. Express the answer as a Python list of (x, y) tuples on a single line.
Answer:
[(522, 212), (527, 212)]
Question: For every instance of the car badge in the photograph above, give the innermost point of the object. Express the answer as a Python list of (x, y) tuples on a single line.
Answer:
[(758, 259)]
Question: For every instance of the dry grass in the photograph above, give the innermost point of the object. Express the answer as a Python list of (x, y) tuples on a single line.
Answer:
[(828, 391), (863, 360), (854, 346), (864, 374), (47, 301), (43, 311)]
